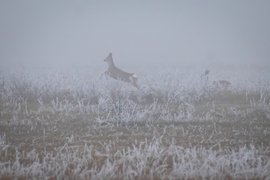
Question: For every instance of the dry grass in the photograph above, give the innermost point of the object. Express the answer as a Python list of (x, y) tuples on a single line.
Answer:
[(122, 134)]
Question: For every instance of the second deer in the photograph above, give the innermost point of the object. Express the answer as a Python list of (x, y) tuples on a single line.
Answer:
[(222, 83), (118, 74), (219, 83)]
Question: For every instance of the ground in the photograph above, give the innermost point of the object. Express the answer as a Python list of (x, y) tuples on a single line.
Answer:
[(55, 131)]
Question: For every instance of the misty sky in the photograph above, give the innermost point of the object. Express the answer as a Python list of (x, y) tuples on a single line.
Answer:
[(82, 33)]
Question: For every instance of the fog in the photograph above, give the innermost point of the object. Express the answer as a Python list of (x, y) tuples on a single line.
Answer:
[(67, 33)]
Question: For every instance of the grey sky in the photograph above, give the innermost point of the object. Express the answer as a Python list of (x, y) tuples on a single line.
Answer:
[(65, 33)]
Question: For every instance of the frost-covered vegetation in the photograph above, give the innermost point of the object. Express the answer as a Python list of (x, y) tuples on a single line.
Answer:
[(76, 125)]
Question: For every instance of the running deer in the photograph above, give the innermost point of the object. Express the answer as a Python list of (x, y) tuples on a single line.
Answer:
[(219, 83), (118, 74)]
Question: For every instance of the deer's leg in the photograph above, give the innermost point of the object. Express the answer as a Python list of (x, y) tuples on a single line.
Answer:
[(136, 85), (105, 73)]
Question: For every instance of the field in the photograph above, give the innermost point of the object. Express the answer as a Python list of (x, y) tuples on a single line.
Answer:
[(77, 125)]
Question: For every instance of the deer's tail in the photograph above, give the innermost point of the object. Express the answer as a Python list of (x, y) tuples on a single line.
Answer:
[(134, 79)]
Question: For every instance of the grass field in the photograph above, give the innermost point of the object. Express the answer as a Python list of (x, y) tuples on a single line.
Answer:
[(76, 125)]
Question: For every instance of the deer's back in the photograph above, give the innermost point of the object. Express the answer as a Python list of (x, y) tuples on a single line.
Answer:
[(224, 82)]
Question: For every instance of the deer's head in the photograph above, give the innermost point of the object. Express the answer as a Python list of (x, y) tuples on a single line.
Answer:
[(108, 59)]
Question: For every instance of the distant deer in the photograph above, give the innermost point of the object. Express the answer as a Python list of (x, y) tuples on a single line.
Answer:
[(118, 74), (205, 74), (221, 83)]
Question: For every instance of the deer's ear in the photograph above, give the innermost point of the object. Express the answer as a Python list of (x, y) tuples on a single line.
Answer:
[(110, 54)]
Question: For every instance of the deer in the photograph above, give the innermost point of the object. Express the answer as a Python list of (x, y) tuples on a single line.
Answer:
[(118, 74), (219, 83), (222, 83)]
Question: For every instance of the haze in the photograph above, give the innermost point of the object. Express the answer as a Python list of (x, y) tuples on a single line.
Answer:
[(82, 33)]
